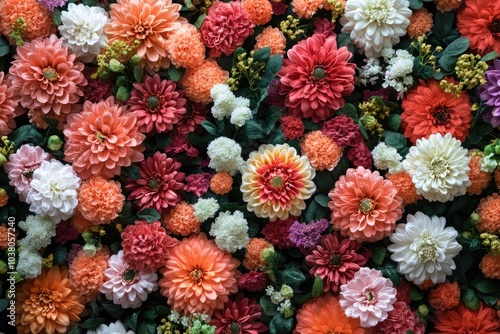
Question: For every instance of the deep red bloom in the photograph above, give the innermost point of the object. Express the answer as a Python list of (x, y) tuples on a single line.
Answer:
[(292, 127), (197, 183), (360, 155), (96, 89), (277, 232), (253, 281), (343, 130)]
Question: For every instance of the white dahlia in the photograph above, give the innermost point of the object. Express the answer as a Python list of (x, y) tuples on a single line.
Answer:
[(82, 30), (53, 191), (375, 24), (116, 327), (125, 286), (424, 248), (439, 167)]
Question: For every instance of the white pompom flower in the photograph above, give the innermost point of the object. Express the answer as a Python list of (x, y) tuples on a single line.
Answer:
[(230, 231), (225, 155)]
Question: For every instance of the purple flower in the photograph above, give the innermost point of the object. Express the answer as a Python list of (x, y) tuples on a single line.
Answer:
[(306, 236), (490, 93), (52, 4)]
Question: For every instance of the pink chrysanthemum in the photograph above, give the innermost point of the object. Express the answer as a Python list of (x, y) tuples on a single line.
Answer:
[(191, 120), (102, 139), (335, 260), (46, 75), (316, 76), (158, 104), (21, 166), (8, 104), (400, 320), (159, 184)]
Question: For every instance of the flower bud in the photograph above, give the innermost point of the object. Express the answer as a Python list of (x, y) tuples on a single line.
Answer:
[(116, 66), (55, 143)]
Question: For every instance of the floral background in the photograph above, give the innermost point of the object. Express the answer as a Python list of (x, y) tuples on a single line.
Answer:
[(255, 166)]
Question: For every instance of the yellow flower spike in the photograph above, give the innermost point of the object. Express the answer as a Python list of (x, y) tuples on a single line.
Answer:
[(48, 262)]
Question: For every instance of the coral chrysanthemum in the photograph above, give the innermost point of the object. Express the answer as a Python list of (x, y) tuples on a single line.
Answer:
[(185, 47), (420, 23), (400, 320), (198, 276), (479, 178), (45, 75), (86, 273), (8, 106), (489, 214), (272, 38), (490, 266), (322, 151), (47, 303), (276, 181), (102, 139), (323, 315), (364, 205), (445, 296), (462, 319), (198, 81), (181, 220), (316, 77), (428, 109)]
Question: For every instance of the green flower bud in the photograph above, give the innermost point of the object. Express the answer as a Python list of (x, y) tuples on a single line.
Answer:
[(423, 311), (288, 313), (122, 81), (87, 236), (474, 218), (134, 60), (3, 267), (267, 253), (368, 121), (286, 291), (116, 66), (89, 249), (55, 143), (3, 159), (489, 149), (123, 94)]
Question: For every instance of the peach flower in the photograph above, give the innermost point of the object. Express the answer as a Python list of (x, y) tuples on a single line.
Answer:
[(273, 38), (185, 47), (420, 23), (86, 273), (181, 220), (479, 179), (489, 214), (253, 259), (322, 151), (259, 11), (8, 104), (197, 82)]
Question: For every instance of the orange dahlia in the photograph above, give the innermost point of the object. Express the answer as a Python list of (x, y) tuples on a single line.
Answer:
[(479, 179), (428, 109), (490, 266), (48, 304), (448, 5), (198, 276), (253, 259), (221, 183), (489, 214), (364, 206), (185, 47), (197, 82), (479, 21), (148, 21), (4, 237), (276, 181), (420, 23), (181, 220), (323, 315), (462, 319), (86, 273), (445, 296), (102, 139), (496, 177), (259, 11), (8, 106), (404, 185), (322, 151)]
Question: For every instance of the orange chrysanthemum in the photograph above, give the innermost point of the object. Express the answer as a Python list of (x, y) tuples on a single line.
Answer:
[(80, 223), (38, 18), (322, 151), (405, 187), (181, 220), (253, 259), (4, 237), (420, 23), (428, 109), (364, 205), (148, 21), (445, 296), (490, 266), (479, 21), (4, 198), (447, 5), (47, 304), (185, 47), (259, 11), (323, 315), (197, 82), (86, 273), (273, 38), (428, 283), (198, 276), (102, 139), (496, 177), (489, 214), (221, 183), (8, 106), (305, 9), (479, 179), (462, 319)]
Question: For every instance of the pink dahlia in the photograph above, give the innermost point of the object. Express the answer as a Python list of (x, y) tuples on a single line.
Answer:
[(102, 139), (316, 76), (225, 28), (335, 260), (8, 104), (146, 246), (159, 184), (46, 75), (364, 205), (158, 104), (191, 120), (368, 296), (400, 320), (21, 166)]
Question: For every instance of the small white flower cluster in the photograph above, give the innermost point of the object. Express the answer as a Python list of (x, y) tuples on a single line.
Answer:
[(205, 208), (187, 321), (225, 155), (230, 231), (387, 158), (370, 72), (488, 163), (226, 104), (282, 299), (399, 70)]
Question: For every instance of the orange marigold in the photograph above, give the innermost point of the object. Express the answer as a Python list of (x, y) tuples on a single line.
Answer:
[(479, 178), (4, 198), (305, 9), (273, 38), (420, 23), (4, 237), (197, 82), (253, 259), (496, 176), (259, 11), (80, 223), (221, 183), (322, 151), (428, 283), (185, 47), (490, 266), (445, 296), (100, 200), (181, 220), (86, 273), (447, 5), (405, 187), (489, 214)]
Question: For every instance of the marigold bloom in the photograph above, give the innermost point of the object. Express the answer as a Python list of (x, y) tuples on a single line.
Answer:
[(447, 5), (99, 200), (221, 183), (86, 273), (496, 177), (4, 237), (198, 276), (48, 303), (198, 81), (479, 179), (405, 187), (181, 220), (8, 104), (324, 315), (489, 214), (445, 296), (322, 151), (364, 205), (490, 266), (305, 9), (273, 38), (185, 47), (420, 23), (102, 139), (80, 223), (253, 259), (464, 320), (428, 109), (148, 21), (259, 11)]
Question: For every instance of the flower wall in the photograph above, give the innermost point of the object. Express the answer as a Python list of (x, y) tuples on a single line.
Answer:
[(255, 166)]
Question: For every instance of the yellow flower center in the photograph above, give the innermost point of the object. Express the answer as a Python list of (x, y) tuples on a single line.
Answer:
[(378, 11), (371, 297), (197, 275), (439, 167), (50, 73), (277, 182), (427, 249), (366, 205), (142, 30), (101, 136)]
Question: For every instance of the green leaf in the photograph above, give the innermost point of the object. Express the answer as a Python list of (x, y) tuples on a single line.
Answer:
[(292, 276), (394, 121), (269, 309), (26, 134), (315, 211), (262, 54), (490, 56), (123, 94), (76, 330), (488, 299), (4, 303), (147, 327), (149, 314), (280, 325), (150, 215), (470, 298), (60, 254), (488, 286), (379, 255), (92, 323), (138, 73), (349, 110), (272, 68), (317, 288), (457, 47), (475, 244), (132, 321), (343, 40), (175, 73), (211, 128), (132, 172), (200, 20), (272, 116), (116, 311), (322, 200), (252, 129), (416, 294), (396, 140), (389, 270), (416, 4), (56, 17)]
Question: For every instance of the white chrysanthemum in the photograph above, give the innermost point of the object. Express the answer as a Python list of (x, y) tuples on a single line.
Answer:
[(375, 24), (220, 92), (230, 231), (82, 30), (439, 167), (424, 248), (39, 231), (125, 286), (53, 190), (225, 155), (29, 263), (113, 328), (386, 157), (240, 115), (205, 208)]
